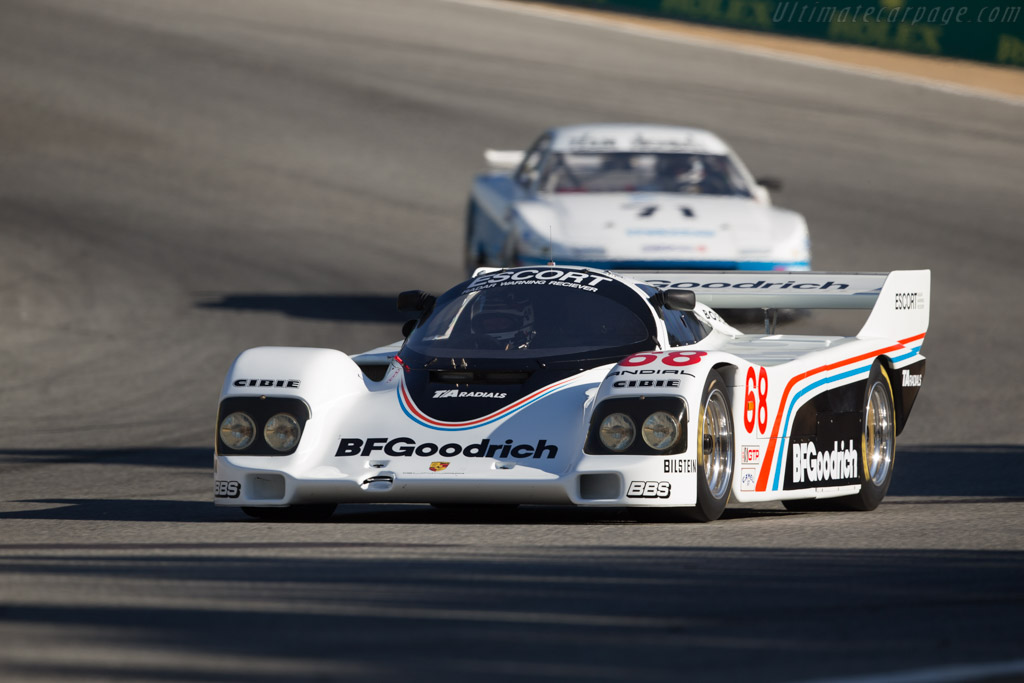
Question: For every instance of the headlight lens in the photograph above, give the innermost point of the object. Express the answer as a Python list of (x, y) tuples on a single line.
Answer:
[(237, 431), (282, 432), (660, 430), (617, 432)]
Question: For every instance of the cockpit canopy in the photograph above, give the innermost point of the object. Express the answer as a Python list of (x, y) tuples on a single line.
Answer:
[(543, 313)]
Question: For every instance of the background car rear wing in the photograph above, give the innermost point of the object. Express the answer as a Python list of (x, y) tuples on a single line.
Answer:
[(504, 159), (899, 301)]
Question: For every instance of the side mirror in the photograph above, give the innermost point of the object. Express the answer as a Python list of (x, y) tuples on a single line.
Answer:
[(679, 299), (773, 184), (415, 301)]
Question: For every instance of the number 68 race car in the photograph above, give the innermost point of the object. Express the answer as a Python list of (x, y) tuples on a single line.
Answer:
[(570, 385)]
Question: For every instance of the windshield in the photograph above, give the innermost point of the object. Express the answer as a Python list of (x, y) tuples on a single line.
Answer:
[(536, 313), (642, 172)]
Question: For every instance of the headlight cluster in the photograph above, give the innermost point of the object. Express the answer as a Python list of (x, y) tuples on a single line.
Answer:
[(263, 425), (281, 432), (651, 425), (660, 431)]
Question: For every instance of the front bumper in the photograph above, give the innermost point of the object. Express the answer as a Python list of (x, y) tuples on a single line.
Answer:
[(597, 481)]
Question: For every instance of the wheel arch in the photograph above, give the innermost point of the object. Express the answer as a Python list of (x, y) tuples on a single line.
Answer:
[(902, 399)]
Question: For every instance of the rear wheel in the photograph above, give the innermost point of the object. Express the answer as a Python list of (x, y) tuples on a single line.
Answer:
[(877, 450), (878, 443), (318, 512), (715, 452)]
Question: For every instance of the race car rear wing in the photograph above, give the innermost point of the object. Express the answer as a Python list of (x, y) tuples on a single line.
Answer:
[(899, 301)]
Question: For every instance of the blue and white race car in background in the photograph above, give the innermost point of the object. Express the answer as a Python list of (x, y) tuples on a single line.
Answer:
[(629, 196)]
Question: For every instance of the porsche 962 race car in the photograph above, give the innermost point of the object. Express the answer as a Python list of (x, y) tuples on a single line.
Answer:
[(629, 196), (570, 385)]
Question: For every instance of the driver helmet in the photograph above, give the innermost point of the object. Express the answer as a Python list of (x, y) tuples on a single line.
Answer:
[(682, 169), (504, 317)]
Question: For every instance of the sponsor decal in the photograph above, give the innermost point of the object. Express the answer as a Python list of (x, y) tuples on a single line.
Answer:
[(649, 489), (455, 393), (683, 143), (226, 489), (438, 466), (748, 479), (673, 232), (910, 301), (752, 454), (911, 380), (418, 416), (751, 284), (645, 383), (648, 371), (681, 466), (402, 446), (825, 467), (574, 279), (263, 383), (586, 141), (659, 248), (671, 358)]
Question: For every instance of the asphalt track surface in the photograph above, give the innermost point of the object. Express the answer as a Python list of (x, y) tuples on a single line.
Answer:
[(180, 181)]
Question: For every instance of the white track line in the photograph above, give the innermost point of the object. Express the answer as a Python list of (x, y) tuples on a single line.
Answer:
[(944, 674), (570, 17)]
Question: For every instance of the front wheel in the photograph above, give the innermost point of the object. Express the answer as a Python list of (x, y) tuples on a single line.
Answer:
[(715, 451), (319, 512)]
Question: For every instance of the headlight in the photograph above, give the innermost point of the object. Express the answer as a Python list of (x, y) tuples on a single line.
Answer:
[(282, 432), (617, 432), (660, 430), (237, 431)]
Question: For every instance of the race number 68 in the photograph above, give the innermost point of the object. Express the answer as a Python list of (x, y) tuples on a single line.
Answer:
[(755, 401), (676, 359)]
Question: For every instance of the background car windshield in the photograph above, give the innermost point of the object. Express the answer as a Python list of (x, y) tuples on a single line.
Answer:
[(642, 172), (531, 322)]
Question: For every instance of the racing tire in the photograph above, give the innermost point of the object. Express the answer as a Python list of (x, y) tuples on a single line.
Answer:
[(877, 451), (319, 512), (716, 450)]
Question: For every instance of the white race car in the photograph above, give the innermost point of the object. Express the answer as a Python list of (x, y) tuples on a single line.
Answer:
[(621, 196), (569, 385)]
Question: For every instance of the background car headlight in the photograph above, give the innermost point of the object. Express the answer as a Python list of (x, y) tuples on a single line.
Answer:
[(237, 431), (617, 432), (282, 432), (660, 430)]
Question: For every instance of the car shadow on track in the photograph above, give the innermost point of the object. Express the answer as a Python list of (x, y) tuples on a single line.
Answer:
[(199, 458), (377, 308), (921, 471)]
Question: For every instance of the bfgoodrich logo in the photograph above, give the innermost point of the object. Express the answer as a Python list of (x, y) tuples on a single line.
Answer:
[(401, 447), (814, 467)]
